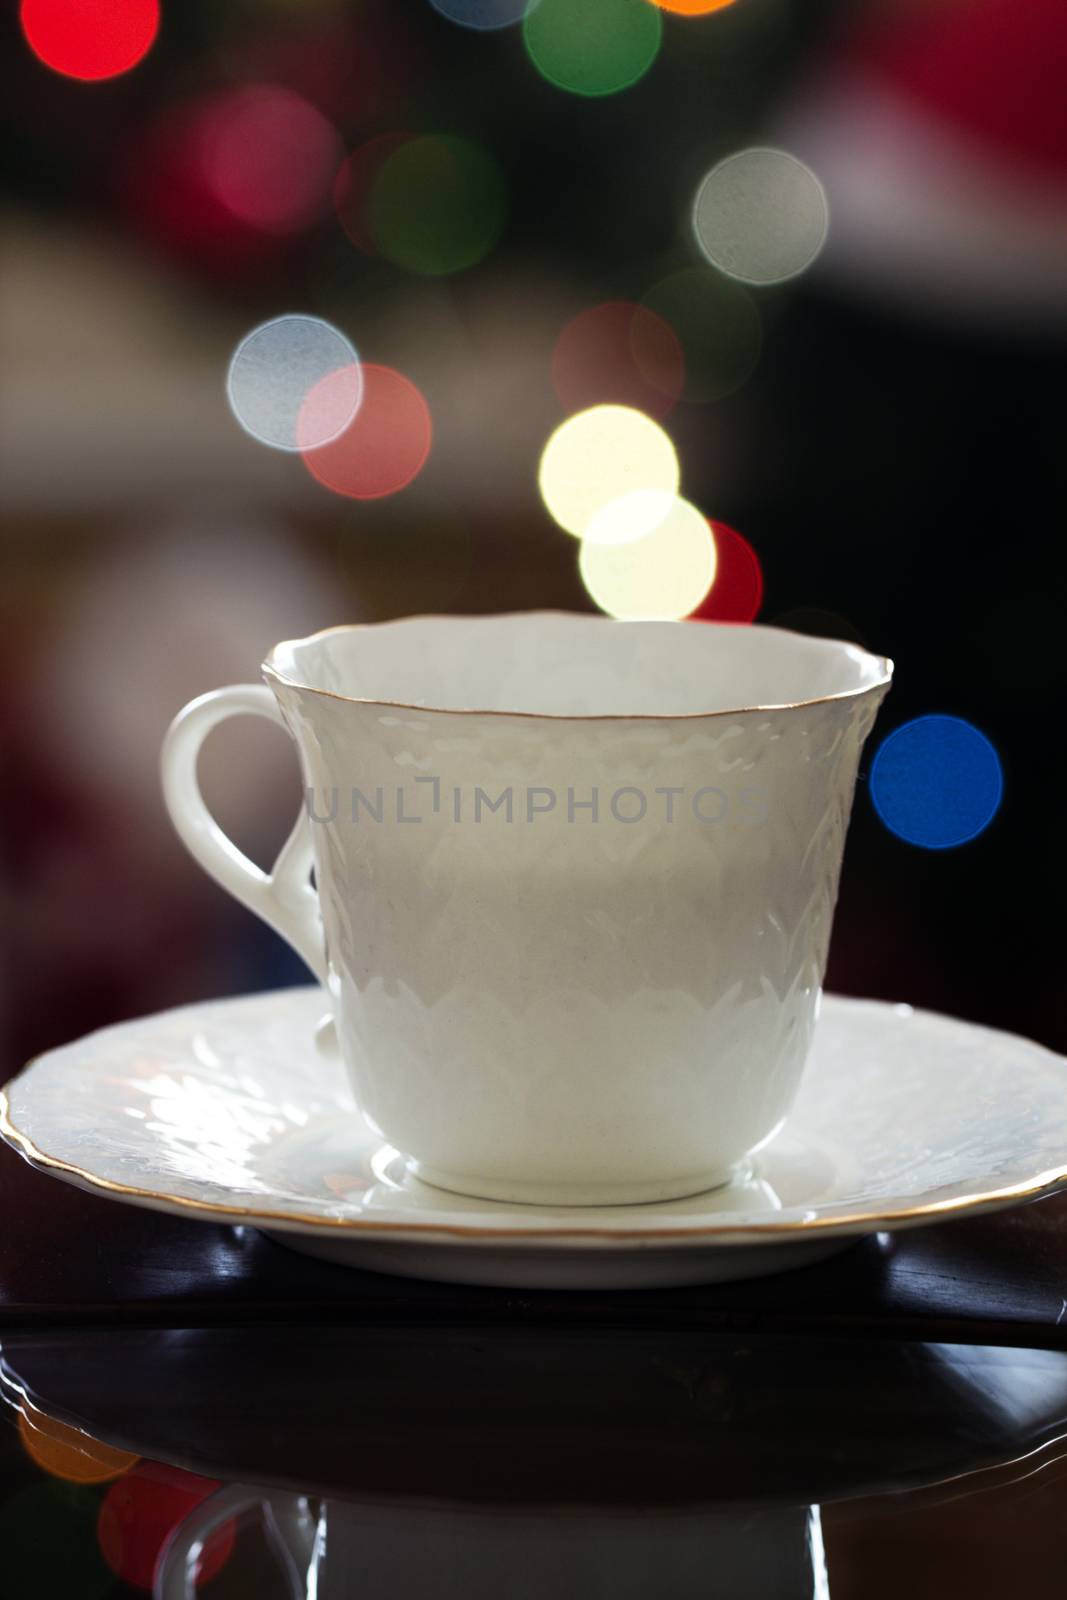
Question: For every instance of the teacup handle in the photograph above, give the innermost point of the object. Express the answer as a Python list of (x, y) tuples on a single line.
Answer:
[(290, 1527), (284, 898)]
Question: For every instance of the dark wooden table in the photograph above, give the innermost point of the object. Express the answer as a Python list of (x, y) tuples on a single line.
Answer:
[(913, 1386)]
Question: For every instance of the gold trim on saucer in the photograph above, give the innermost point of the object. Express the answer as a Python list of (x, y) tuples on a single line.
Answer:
[(753, 1233)]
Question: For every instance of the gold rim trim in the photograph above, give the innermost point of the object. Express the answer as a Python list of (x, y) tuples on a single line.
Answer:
[(271, 671), (753, 1233)]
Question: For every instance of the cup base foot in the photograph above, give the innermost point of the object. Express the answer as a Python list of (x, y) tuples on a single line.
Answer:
[(519, 1192)]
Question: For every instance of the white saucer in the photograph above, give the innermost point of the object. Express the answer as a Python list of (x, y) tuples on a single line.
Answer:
[(225, 1111)]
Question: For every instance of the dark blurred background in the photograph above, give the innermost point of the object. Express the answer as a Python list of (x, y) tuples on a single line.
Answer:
[(885, 429)]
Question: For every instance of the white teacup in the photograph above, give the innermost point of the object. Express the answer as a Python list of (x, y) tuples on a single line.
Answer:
[(344, 1550), (575, 881)]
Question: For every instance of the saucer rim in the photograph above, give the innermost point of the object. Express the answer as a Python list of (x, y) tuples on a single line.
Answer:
[(573, 1236)]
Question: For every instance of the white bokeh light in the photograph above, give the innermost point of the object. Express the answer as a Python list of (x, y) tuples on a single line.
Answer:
[(661, 576), (275, 368), (761, 216), (599, 455)]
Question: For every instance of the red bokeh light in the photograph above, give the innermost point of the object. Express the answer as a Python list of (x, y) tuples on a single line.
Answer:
[(619, 353), (90, 39), (737, 591), (160, 181), (354, 182), (139, 1513), (269, 156), (230, 180), (384, 446)]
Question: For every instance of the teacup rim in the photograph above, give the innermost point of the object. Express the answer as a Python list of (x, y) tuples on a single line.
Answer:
[(272, 672)]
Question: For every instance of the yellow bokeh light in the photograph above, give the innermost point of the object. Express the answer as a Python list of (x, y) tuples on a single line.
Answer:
[(67, 1453), (630, 517), (600, 455), (661, 576)]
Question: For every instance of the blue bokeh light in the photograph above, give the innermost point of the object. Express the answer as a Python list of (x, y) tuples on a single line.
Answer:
[(484, 15), (937, 782)]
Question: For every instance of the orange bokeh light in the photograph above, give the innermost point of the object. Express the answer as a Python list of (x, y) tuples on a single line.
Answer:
[(619, 353), (385, 445), (69, 1454), (692, 8)]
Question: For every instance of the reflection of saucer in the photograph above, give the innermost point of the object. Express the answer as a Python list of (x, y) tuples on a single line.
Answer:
[(224, 1111), (550, 1416)]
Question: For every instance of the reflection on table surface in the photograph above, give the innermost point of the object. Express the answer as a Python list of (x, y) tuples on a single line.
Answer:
[(337, 1462)]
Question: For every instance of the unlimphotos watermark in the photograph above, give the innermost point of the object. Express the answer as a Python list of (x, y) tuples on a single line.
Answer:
[(423, 798)]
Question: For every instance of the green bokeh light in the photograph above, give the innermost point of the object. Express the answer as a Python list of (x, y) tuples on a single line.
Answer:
[(438, 205), (48, 1543), (717, 324), (593, 47)]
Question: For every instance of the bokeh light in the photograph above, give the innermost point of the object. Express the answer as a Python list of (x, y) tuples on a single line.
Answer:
[(48, 1543), (761, 216), (592, 47), (484, 15), (437, 205), (90, 39), (599, 456), (278, 368), (630, 517), (354, 184), (718, 326), (662, 576), (270, 156), (937, 782), (202, 181), (737, 592), (385, 445), (66, 1453), (693, 8), (619, 352), (139, 1513)]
